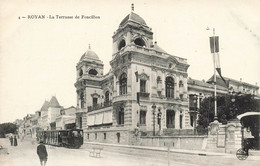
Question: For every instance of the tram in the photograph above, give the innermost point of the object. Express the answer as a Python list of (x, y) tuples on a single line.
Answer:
[(72, 138), (251, 121)]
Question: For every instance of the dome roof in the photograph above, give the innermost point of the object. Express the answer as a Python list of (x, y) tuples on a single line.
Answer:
[(133, 17), (89, 54)]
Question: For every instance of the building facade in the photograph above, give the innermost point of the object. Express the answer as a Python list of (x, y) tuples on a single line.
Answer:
[(145, 90)]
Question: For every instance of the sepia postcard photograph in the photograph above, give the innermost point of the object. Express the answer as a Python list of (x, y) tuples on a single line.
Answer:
[(129, 83)]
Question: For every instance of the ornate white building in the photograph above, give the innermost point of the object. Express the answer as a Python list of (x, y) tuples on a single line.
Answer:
[(145, 90)]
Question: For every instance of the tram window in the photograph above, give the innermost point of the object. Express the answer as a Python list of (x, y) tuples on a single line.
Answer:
[(75, 133)]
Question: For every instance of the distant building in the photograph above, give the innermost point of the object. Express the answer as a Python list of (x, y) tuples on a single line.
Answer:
[(236, 86), (35, 123), (197, 91), (25, 128), (49, 111)]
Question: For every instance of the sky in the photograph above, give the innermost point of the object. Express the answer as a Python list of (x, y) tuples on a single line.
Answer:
[(38, 57)]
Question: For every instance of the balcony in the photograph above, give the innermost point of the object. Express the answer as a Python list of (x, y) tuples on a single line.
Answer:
[(143, 94), (193, 109), (124, 97), (100, 106)]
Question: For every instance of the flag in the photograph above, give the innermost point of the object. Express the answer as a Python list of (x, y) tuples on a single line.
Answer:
[(214, 48), (217, 62)]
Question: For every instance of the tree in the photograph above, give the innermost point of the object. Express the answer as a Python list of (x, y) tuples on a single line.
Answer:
[(228, 107), (6, 128)]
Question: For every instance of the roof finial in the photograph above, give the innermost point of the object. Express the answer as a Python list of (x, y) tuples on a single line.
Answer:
[(133, 8), (89, 46)]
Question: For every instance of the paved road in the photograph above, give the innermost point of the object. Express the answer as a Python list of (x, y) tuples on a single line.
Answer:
[(25, 155)]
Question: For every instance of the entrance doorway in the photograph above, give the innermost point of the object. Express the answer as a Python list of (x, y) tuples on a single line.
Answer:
[(170, 121)]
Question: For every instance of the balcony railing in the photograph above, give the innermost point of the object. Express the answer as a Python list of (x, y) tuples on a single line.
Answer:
[(100, 106), (144, 94), (193, 109)]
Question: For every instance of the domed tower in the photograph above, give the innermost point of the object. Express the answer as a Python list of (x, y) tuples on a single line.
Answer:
[(89, 70), (132, 30), (89, 64), (146, 76)]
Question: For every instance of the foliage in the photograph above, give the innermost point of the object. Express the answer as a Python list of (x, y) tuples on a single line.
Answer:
[(228, 107), (6, 128)]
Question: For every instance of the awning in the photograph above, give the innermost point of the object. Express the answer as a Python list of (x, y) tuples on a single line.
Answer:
[(90, 120), (99, 118), (107, 117)]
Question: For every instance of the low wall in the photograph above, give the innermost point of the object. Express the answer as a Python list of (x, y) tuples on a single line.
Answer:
[(177, 142), (224, 138)]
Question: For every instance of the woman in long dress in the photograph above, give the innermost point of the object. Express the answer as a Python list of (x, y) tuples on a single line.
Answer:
[(15, 141)]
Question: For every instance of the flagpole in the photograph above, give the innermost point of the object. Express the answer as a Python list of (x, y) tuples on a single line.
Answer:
[(215, 80)]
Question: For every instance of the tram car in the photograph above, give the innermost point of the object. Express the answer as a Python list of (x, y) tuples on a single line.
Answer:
[(67, 138), (250, 120)]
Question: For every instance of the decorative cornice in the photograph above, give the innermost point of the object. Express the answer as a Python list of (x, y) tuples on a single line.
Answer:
[(143, 76), (95, 95)]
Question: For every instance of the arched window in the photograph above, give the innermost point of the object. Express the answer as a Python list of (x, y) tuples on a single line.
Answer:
[(159, 83), (93, 72), (170, 119), (80, 72), (106, 98), (121, 44), (82, 100), (139, 42), (142, 117), (121, 116), (180, 84), (142, 85), (123, 84), (169, 87), (181, 89)]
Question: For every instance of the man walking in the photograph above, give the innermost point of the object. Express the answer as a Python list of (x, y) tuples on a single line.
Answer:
[(42, 153)]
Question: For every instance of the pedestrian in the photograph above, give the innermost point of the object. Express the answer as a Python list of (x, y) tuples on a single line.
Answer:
[(42, 153), (15, 141), (11, 140)]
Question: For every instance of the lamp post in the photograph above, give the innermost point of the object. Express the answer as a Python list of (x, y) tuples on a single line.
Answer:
[(153, 107)]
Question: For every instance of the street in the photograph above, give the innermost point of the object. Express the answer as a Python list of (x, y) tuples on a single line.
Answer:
[(25, 155)]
